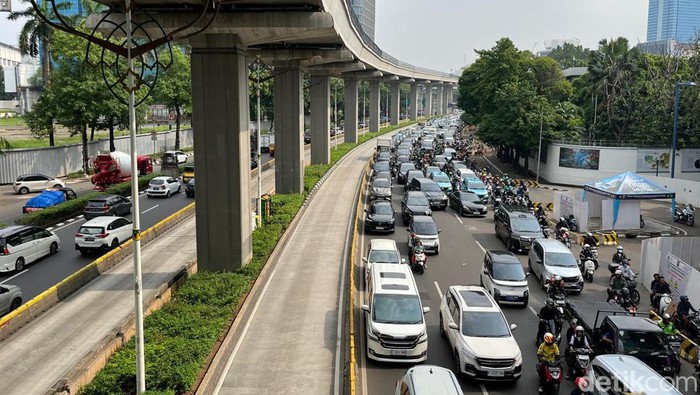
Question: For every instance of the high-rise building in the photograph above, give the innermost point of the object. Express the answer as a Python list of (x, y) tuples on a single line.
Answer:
[(673, 19), (364, 9)]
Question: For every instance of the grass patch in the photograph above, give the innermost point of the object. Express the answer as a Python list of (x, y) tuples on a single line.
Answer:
[(12, 121), (180, 336), (74, 175)]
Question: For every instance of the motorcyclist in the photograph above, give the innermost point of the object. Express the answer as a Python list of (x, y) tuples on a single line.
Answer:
[(590, 240), (555, 286), (522, 190), (587, 254), (619, 255), (667, 326), (581, 387), (547, 312), (661, 287), (685, 307), (577, 340), (539, 213), (562, 223), (617, 285), (418, 249), (542, 220), (627, 270), (651, 288), (547, 352)]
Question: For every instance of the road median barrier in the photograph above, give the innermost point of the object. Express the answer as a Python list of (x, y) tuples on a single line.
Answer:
[(609, 238), (688, 350), (582, 239)]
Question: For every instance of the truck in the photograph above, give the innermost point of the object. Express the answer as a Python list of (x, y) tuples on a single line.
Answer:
[(632, 334), (267, 143), (48, 198), (112, 168), (383, 145)]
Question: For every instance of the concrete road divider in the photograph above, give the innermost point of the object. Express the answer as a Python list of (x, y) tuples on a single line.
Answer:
[(609, 239), (581, 238)]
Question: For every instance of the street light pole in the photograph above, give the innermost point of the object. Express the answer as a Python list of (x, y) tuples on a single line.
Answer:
[(259, 197), (335, 117), (675, 135), (539, 150)]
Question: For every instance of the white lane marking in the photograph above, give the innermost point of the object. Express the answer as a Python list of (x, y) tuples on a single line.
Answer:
[(60, 224), (483, 389), (18, 274), (532, 309), (470, 228), (71, 219), (67, 225), (437, 286), (459, 219), (50, 228), (480, 246), (144, 212), (669, 225)]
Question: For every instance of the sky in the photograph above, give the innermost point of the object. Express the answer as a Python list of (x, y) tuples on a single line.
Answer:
[(448, 31)]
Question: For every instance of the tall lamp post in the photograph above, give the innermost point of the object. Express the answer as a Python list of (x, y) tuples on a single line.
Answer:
[(675, 135), (258, 66), (539, 150)]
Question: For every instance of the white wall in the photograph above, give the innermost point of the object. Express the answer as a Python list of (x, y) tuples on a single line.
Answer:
[(686, 191), (685, 249)]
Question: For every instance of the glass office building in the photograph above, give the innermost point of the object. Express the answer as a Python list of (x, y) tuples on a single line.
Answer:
[(673, 19), (365, 13)]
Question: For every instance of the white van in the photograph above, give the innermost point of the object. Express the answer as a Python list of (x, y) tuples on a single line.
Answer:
[(625, 374), (394, 322), (428, 380)]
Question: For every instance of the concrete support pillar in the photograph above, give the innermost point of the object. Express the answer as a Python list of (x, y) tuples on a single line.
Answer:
[(395, 101), (288, 102), (320, 120), (220, 111), (428, 96), (438, 96), (446, 98), (350, 112), (374, 106), (413, 102)]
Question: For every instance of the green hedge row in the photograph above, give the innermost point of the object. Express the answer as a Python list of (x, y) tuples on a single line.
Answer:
[(71, 208), (180, 336)]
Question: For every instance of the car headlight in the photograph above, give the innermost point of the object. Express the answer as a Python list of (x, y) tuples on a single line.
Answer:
[(372, 334), (518, 358)]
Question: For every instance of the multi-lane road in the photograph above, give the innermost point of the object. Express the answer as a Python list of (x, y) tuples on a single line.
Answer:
[(463, 243)]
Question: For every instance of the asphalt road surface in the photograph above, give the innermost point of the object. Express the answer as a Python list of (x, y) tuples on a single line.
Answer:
[(463, 242)]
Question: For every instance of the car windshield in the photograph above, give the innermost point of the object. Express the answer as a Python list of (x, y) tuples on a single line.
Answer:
[(475, 184), (508, 271), (383, 209), (634, 342), (440, 178), (384, 256), (469, 197), (459, 165), (90, 230), (484, 324), (397, 309), (381, 183), (381, 166), (430, 187), (418, 201), (562, 259), (405, 166), (96, 203), (425, 228), (528, 224), (157, 182)]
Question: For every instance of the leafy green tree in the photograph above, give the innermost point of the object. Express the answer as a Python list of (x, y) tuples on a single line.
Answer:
[(569, 55), (174, 88)]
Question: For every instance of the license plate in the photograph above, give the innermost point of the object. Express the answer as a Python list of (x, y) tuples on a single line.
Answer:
[(380, 227), (495, 373), (511, 297), (398, 353), (89, 239)]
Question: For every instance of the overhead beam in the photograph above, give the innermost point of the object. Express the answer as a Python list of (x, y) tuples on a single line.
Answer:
[(336, 68), (305, 57)]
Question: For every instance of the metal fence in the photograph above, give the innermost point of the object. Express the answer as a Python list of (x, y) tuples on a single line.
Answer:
[(61, 161)]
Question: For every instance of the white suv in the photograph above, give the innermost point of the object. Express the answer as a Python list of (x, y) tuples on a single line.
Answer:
[(102, 233), (481, 340), (163, 186)]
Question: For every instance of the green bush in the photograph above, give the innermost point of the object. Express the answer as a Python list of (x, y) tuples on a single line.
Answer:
[(180, 336)]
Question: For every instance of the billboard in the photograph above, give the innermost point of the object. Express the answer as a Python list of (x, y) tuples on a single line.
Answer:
[(690, 160), (646, 160), (579, 158)]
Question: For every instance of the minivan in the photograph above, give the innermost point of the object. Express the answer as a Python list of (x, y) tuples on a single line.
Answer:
[(21, 245), (549, 257), (395, 327), (428, 380), (625, 374), (516, 226), (432, 190)]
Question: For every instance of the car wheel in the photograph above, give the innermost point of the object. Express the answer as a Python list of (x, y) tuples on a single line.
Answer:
[(509, 244), (525, 302), (53, 248), (57, 186), (437, 250), (179, 188), (167, 194), (16, 302), (442, 327), (543, 284), (23, 191), (19, 264), (115, 244), (148, 196), (458, 363)]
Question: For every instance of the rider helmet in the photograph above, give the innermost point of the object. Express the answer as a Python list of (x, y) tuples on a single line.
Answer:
[(586, 246), (579, 329), (548, 338), (618, 272), (619, 249), (684, 298), (562, 219), (550, 302), (589, 234), (666, 317)]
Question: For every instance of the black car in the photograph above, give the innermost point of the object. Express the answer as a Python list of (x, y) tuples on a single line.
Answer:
[(437, 197), (401, 172), (516, 226), (410, 175), (110, 205), (380, 217), (414, 203), (189, 188), (467, 203), (381, 166)]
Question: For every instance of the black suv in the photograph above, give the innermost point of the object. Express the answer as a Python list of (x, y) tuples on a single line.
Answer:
[(437, 197), (414, 203), (107, 205), (380, 217), (516, 226)]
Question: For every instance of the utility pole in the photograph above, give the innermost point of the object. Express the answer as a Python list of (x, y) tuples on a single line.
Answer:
[(539, 150)]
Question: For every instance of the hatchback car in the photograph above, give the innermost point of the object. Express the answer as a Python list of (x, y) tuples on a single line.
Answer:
[(503, 277), (380, 217), (163, 186), (102, 233), (187, 174), (381, 251), (478, 333), (180, 156), (467, 203), (35, 183), (21, 245), (107, 205), (381, 166), (10, 298), (425, 229), (380, 189), (443, 181), (414, 203), (189, 189), (549, 257)]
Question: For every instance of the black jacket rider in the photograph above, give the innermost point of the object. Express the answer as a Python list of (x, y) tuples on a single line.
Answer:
[(618, 257)]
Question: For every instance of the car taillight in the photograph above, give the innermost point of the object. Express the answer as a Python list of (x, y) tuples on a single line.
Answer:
[(413, 235), (78, 234), (5, 251), (101, 235), (162, 187)]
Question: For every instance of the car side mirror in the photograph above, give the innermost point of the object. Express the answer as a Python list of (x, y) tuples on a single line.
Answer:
[(439, 230), (452, 325), (403, 260), (538, 260), (426, 310), (486, 271), (364, 259), (513, 327), (365, 307), (527, 274)]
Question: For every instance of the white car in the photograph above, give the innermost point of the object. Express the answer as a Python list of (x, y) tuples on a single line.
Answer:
[(10, 298), (381, 251), (21, 245), (502, 275), (102, 233), (35, 183), (481, 340), (163, 186), (181, 156)]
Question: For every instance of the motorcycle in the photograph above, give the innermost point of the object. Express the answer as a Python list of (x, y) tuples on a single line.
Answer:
[(587, 268), (552, 377), (563, 236), (546, 231), (685, 215), (674, 344), (580, 362), (663, 303), (624, 302), (418, 262), (552, 326), (573, 223)]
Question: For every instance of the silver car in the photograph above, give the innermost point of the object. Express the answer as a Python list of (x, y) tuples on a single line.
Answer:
[(10, 298), (380, 189)]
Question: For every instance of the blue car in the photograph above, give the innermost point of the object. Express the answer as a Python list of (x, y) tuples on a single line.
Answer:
[(443, 180), (477, 186)]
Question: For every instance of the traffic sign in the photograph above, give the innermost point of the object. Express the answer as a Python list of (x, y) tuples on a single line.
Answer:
[(154, 135)]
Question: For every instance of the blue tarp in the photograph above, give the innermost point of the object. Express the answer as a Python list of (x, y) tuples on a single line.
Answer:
[(47, 198), (628, 185)]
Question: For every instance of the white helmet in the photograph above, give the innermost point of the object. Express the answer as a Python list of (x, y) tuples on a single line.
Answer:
[(578, 328), (619, 248), (586, 246)]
